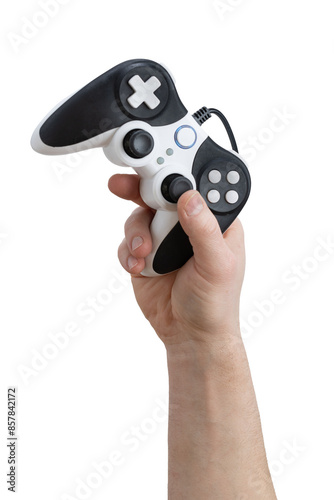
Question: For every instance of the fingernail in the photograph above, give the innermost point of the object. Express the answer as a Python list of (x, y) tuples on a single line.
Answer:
[(137, 242), (194, 205), (132, 262)]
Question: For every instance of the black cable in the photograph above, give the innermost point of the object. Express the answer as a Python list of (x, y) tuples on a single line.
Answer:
[(227, 127), (203, 114)]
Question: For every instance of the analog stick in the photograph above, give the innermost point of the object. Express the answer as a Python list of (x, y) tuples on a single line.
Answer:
[(174, 186), (138, 143)]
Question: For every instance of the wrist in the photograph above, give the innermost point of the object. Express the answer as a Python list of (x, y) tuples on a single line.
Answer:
[(204, 371), (206, 350)]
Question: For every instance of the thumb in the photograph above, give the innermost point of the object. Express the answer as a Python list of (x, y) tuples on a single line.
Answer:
[(211, 252)]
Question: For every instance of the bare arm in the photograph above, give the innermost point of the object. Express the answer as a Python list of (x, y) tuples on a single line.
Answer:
[(216, 449)]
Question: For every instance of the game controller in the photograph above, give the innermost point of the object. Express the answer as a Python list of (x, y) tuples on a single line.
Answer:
[(134, 113)]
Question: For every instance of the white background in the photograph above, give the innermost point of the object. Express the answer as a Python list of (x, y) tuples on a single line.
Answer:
[(59, 234)]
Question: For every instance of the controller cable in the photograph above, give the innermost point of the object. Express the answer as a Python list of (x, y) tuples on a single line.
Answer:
[(203, 114)]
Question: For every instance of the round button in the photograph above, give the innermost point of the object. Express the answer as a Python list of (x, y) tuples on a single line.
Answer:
[(215, 176), (174, 186), (233, 177), (138, 143), (231, 197), (213, 196), (185, 137)]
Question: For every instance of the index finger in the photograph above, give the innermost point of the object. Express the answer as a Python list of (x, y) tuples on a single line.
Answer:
[(126, 186)]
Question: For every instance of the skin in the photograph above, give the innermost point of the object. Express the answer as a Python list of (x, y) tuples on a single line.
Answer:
[(215, 443)]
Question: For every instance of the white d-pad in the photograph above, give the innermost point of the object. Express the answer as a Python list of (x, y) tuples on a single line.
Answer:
[(144, 92)]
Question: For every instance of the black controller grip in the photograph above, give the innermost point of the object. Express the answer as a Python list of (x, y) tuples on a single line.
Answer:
[(103, 105)]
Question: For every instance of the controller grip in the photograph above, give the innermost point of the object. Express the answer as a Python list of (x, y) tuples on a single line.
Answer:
[(171, 247)]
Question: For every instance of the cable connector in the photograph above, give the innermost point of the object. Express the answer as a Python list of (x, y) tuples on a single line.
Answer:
[(202, 115)]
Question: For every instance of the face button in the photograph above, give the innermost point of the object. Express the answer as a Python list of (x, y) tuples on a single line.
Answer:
[(185, 137), (138, 143), (233, 177), (231, 197), (144, 92), (213, 196), (215, 176)]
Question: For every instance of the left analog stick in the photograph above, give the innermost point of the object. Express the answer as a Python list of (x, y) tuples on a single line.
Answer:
[(138, 143)]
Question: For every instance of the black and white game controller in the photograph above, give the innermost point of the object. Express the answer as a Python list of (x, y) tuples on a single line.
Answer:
[(134, 113)]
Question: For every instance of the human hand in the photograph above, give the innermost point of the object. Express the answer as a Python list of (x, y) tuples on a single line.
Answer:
[(200, 301)]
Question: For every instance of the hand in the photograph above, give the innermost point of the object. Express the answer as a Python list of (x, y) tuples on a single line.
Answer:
[(200, 301)]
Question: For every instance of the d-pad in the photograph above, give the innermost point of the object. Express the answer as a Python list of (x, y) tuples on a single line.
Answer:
[(144, 92)]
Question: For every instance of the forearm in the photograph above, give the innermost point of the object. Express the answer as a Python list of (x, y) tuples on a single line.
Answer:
[(216, 448)]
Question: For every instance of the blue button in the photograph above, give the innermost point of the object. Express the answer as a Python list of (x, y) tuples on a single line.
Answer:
[(185, 137)]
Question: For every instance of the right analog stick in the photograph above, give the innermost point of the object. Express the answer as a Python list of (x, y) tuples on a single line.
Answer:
[(174, 186)]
